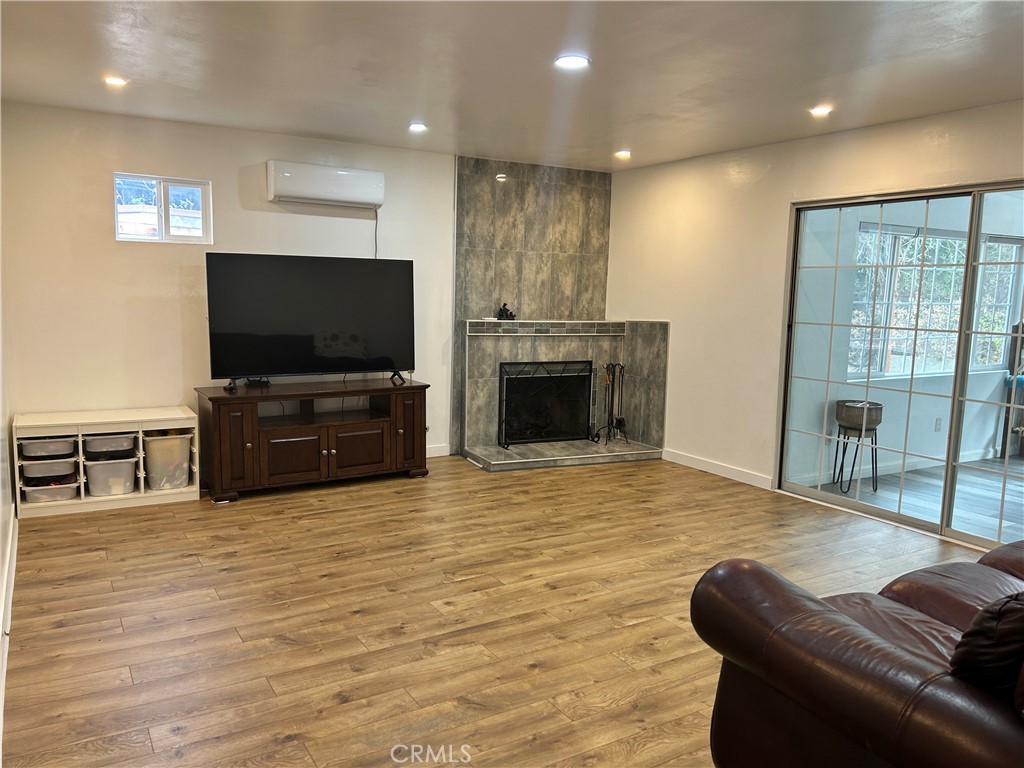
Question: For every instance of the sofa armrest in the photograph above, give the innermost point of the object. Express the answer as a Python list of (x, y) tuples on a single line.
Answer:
[(898, 706)]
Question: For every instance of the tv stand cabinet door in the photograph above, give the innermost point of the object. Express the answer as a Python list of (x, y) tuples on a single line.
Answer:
[(409, 411), (236, 433), (360, 448), (292, 455)]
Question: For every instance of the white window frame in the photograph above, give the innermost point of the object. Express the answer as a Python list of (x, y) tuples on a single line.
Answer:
[(164, 210), (891, 233)]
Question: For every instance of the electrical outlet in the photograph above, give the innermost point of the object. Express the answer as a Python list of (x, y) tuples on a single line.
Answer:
[(938, 424)]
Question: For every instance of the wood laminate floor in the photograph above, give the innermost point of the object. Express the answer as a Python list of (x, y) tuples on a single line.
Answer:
[(989, 496), (535, 618)]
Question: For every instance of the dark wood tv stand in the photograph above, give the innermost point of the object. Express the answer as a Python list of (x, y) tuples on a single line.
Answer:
[(284, 434)]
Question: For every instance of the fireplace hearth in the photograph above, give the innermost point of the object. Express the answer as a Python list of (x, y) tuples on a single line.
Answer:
[(544, 401)]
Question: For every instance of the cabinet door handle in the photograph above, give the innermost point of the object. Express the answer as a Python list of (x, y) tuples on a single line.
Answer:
[(401, 431), (334, 452), (248, 446), (323, 452)]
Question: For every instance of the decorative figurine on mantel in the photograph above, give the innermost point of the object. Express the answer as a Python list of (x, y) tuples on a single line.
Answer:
[(505, 313)]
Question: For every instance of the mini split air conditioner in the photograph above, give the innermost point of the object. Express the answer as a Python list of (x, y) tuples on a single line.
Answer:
[(324, 184)]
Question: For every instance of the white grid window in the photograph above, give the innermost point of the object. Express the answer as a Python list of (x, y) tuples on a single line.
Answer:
[(906, 303)]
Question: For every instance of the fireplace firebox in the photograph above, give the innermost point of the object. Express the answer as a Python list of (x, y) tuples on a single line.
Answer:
[(544, 401)]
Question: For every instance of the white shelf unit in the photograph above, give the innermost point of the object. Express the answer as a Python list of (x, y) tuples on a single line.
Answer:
[(79, 426)]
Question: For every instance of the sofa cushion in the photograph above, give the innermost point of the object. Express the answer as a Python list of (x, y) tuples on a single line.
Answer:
[(990, 654), (1008, 558), (904, 627), (953, 593)]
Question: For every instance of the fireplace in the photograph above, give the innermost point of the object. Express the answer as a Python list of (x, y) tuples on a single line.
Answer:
[(542, 402)]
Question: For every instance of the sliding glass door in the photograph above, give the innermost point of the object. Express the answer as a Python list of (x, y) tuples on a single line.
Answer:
[(988, 471), (893, 401)]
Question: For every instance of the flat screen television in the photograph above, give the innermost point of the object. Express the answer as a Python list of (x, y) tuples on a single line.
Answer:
[(278, 315)]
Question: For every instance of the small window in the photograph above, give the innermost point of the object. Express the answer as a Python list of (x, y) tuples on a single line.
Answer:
[(161, 210)]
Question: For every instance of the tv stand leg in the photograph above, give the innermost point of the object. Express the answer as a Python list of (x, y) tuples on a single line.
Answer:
[(399, 376), (225, 498), (419, 472)]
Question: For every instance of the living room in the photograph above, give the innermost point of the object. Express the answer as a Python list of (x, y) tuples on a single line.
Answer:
[(703, 243)]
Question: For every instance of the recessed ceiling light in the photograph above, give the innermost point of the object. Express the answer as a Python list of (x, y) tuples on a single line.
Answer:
[(115, 80), (417, 127), (572, 61), (623, 154), (822, 110)]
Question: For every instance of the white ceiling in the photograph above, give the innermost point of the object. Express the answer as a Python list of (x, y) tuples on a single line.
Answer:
[(669, 79)]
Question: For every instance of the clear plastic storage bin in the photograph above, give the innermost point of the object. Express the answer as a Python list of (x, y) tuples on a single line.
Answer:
[(51, 493), (166, 461), (110, 446), (48, 448), (47, 468), (110, 478)]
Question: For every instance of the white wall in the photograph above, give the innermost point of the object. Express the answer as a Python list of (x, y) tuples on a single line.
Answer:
[(705, 244), (96, 323)]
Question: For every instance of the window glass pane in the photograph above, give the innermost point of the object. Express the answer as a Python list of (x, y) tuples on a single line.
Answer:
[(819, 231), (945, 250), (853, 222), (906, 297), (135, 208), (186, 210), (808, 406), (951, 214), (935, 352), (814, 295), (928, 427), (988, 351), (804, 459), (861, 305), (1002, 220), (897, 352), (874, 247), (941, 291), (810, 351), (906, 249)]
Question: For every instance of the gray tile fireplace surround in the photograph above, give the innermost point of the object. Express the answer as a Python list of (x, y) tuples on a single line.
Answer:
[(641, 346)]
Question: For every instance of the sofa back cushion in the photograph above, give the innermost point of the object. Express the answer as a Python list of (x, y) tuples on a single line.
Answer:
[(990, 655), (953, 593), (1008, 558)]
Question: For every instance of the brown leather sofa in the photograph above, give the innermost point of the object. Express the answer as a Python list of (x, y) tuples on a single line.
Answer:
[(868, 680)]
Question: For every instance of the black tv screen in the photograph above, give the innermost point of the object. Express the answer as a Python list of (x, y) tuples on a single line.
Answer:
[(277, 315)]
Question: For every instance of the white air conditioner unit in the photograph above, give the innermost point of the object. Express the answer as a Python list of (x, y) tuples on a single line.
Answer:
[(324, 184)]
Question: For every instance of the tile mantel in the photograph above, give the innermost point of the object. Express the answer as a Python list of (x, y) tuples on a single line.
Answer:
[(493, 327)]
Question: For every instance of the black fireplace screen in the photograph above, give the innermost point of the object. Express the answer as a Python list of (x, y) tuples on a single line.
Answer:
[(544, 402)]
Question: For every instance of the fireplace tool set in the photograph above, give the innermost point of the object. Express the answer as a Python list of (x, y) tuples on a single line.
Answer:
[(616, 425)]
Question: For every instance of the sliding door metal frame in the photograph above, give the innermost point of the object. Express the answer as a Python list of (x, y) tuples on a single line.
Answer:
[(961, 369)]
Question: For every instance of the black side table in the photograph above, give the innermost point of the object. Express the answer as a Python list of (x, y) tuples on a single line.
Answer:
[(846, 434), (858, 420)]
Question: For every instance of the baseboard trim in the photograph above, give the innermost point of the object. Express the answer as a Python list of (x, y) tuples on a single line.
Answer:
[(717, 468), (434, 451)]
